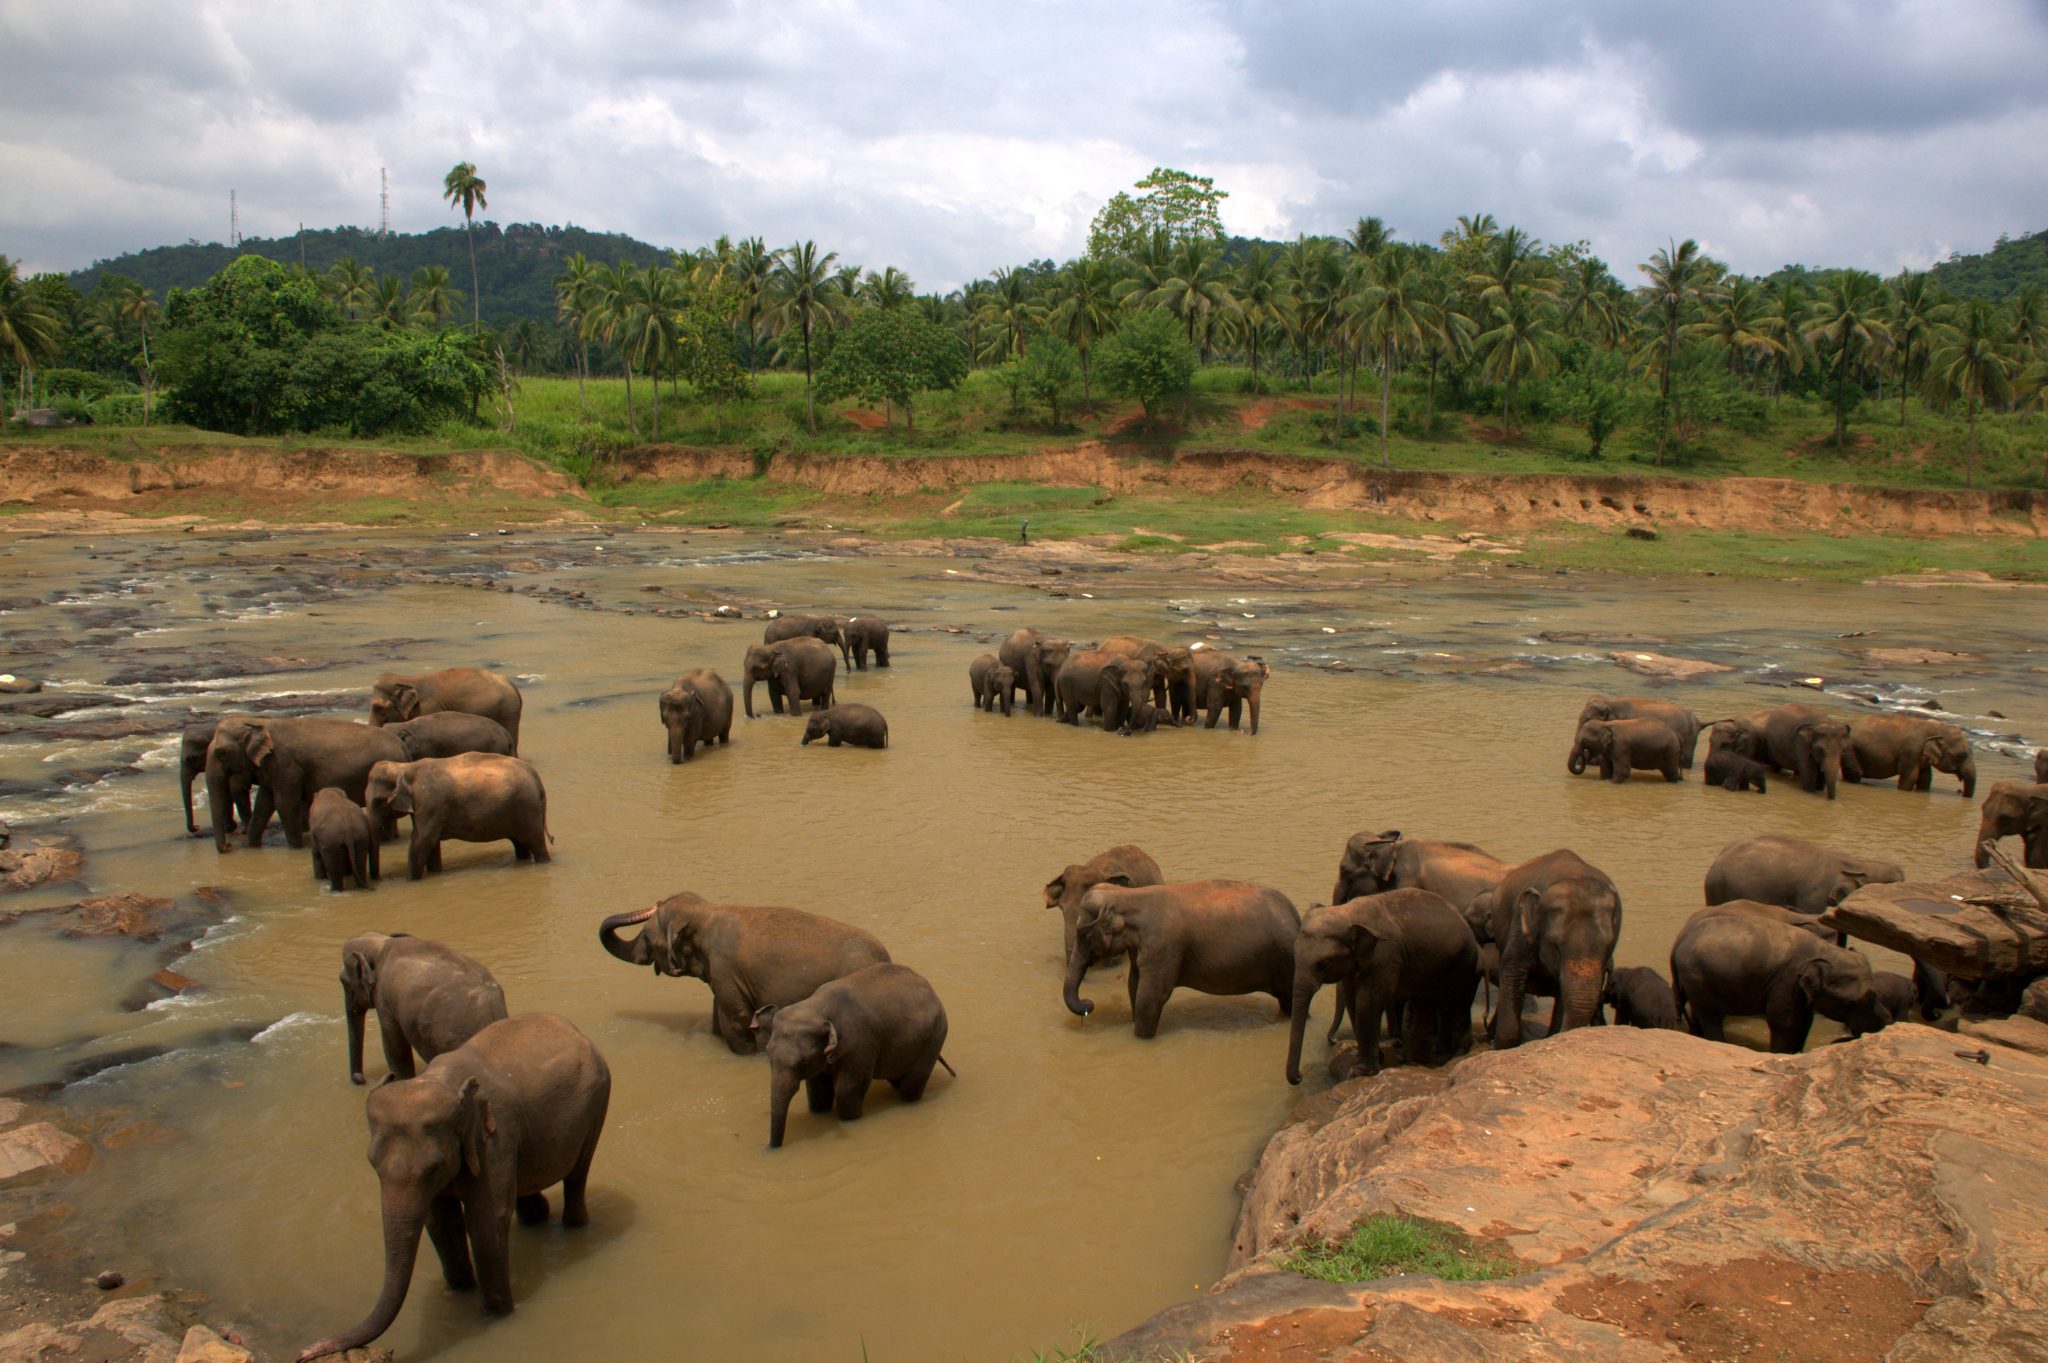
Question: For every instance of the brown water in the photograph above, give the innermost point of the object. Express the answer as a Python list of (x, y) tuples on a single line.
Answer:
[(1072, 1175)]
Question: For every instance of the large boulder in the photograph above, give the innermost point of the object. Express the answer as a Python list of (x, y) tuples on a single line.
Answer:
[(1673, 1198)]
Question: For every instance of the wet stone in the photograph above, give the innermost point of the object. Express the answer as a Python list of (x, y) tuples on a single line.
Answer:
[(40, 1148)]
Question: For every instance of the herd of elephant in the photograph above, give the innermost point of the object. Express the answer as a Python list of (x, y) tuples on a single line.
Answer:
[(1622, 735), (1128, 683)]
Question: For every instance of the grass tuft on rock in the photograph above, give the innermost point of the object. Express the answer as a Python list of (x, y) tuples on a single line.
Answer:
[(1388, 1246)]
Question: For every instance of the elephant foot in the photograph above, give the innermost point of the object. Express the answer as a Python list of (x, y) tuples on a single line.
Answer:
[(532, 1209)]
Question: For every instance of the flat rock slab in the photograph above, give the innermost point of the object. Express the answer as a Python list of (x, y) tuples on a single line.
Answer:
[(40, 1148), (1674, 1198), (1665, 667), (1918, 657), (1929, 921)]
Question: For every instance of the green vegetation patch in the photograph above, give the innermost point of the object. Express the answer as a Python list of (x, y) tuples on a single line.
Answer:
[(1388, 1246)]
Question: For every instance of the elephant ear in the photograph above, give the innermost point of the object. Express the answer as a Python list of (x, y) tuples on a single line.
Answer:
[(1363, 938), (831, 1044), (405, 699), (1526, 905), (401, 792), (1056, 888), (1122, 878), (359, 978), (478, 1124), (260, 746), (764, 1021), (1813, 977)]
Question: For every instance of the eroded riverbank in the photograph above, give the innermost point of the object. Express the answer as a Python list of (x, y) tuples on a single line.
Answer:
[(1438, 701)]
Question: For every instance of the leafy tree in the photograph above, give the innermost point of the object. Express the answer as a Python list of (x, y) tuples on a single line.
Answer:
[(1849, 330), (1595, 396), (889, 355), (30, 333), (227, 349), (463, 186), (1393, 315), (1970, 363), (1147, 358), (1084, 310), (710, 352), (1185, 207), (370, 383), (806, 299), (1678, 275), (1049, 372)]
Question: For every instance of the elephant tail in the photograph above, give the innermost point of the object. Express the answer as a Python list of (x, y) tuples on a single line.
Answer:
[(949, 1069)]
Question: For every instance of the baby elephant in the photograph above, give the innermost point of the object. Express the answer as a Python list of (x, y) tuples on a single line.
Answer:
[(881, 1022), (1215, 936), (1730, 770), (477, 797), (993, 681), (343, 844), (429, 998), (859, 725), (1621, 746), (1642, 998)]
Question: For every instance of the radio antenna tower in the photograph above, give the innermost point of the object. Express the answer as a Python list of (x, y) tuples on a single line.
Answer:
[(234, 220), (384, 201)]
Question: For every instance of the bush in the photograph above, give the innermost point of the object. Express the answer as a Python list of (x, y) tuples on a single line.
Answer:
[(1147, 358), (77, 383)]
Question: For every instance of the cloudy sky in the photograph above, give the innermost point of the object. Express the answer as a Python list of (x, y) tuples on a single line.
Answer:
[(950, 138)]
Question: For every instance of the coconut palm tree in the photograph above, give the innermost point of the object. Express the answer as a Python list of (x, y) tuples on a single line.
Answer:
[(891, 288), (1787, 309), (1393, 314), (654, 330), (1593, 304), (1678, 274), (1084, 310), (1012, 308), (137, 304), (432, 298), (1518, 345), (1970, 362), (614, 291), (1369, 237), (1475, 227), (1261, 297), (573, 297), (847, 280), (1917, 311), (1849, 327), (1510, 265), (753, 268), (1737, 321), (1197, 290), (389, 307), (30, 332), (1315, 285), (1451, 337), (2027, 321), (354, 285), (463, 186), (806, 298)]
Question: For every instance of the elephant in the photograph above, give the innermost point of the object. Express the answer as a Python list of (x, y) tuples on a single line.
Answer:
[(860, 635), (1123, 864), (1108, 683), (1224, 680), (2041, 766), (1779, 869), (1730, 770), (450, 733), (192, 744), (1557, 918), (696, 709), (1778, 913), (471, 690), (1172, 672), (1911, 749), (483, 1131), (882, 1022), (1405, 951), (1216, 936), (1897, 993), (1145, 717), (344, 844), (1642, 998), (289, 759), (824, 628), (848, 725), (1036, 660), (429, 998), (750, 956), (1623, 745), (1742, 735), (1682, 722), (1458, 871), (2005, 812), (477, 797), (1741, 965), (796, 670), (994, 683), (1807, 741)]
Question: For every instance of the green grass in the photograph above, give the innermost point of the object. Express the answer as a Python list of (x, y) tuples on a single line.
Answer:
[(1729, 553), (1385, 1246)]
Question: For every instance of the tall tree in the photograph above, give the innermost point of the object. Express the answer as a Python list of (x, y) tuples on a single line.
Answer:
[(463, 186), (1261, 299), (614, 291), (432, 297), (1738, 321), (30, 333), (1970, 362), (1369, 237), (1788, 309), (1917, 311), (1180, 206), (888, 288), (138, 305), (1084, 310), (807, 299), (1678, 273), (1848, 331), (654, 332), (1196, 291), (1593, 302), (1012, 308), (753, 272), (1393, 314), (1518, 345), (389, 307), (573, 300), (354, 285)]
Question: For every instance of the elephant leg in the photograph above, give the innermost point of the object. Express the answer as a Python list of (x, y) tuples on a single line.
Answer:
[(575, 1209), (532, 1209), (1342, 1005), (489, 1240), (398, 1057), (1789, 1029), (434, 854), (851, 1098), (520, 850), (1673, 771), (881, 655), (1622, 770), (451, 1242), (1148, 1002), (819, 1090), (1706, 1022), (376, 860), (416, 855), (835, 741), (359, 865), (911, 1085), (259, 817), (1366, 1011)]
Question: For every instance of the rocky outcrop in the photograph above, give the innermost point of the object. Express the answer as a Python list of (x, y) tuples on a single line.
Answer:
[(50, 861), (1675, 1199)]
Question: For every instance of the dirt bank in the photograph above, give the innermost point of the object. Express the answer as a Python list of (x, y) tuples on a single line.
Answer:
[(1679, 1199), (1504, 502)]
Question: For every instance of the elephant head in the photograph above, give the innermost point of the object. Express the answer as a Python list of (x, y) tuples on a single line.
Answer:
[(1839, 985), (800, 1045), (680, 709), (1600, 707), (1593, 742), (1568, 928), (1733, 735), (1818, 745), (241, 748), (1368, 865), (393, 699), (1044, 662), (819, 725), (1123, 686), (387, 794), (1949, 750), (1243, 680), (1853, 873), (360, 958), (827, 630), (423, 1136), (668, 942), (2003, 813), (192, 747), (757, 667), (1100, 932), (1173, 679), (784, 668), (1335, 944), (1002, 680)]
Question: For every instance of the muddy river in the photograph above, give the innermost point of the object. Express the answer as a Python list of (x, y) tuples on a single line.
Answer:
[(1071, 1177)]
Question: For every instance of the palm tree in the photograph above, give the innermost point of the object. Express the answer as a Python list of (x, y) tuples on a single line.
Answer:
[(2029, 322), (1788, 308), (1011, 307), (137, 304), (1917, 310), (1452, 335), (847, 280), (1315, 285), (29, 331), (1261, 295), (354, 285), (573, 288), (1736, 321), (388, 305), (654, 331), (890, 289), (806, 298), (1970, 362), (1850, 323), (1197, 291), (1393, 315), (1369, 237), (1511, 264), (614, 289), (463, 186), (1517, 346), (1475, 227), (1678, 273), (432, 298), (1592, 304), (753, 267), (1084, 310)]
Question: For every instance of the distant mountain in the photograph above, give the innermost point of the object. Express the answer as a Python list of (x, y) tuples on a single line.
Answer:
[(1999, 273), (516, 265)]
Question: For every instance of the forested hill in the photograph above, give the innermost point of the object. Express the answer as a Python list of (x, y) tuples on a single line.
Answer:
[(1999, 273), (516, 265)]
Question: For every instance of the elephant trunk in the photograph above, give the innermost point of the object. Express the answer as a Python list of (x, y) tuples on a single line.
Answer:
[(639, 951), (1967, 772), (1297, 1023), (355, 1043), (781, 1090), (675, 740), (218, 804), (749, 693), (1579, 985), (1253, 701), (1986, 831), (1576, 763), (186, 771), (1077, 966), (403, 1219)]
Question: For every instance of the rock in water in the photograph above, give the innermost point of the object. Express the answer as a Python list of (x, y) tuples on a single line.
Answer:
[(40, 1148), (204, 1346)]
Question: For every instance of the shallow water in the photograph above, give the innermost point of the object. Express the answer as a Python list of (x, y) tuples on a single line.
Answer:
[(1072, 1175)]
